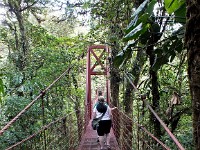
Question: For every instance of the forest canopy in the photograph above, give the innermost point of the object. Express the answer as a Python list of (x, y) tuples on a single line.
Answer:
[(40, 39)]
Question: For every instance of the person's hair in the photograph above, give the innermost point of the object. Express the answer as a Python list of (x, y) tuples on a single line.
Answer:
[(101, 107), (100, 93)]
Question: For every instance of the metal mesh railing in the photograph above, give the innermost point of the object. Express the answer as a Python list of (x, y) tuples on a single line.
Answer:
[(64, 133), (131, 135), (37, 115)]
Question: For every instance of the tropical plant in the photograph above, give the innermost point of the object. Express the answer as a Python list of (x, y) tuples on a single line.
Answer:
[(153, 28)]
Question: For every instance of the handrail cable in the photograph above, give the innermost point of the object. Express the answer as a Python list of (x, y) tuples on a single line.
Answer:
[(155, 114), (41, 130), (45, 127), (33, 135), (42, 93), (145, 130)]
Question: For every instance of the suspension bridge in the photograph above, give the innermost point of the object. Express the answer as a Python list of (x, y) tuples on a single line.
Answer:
[(73, 130)]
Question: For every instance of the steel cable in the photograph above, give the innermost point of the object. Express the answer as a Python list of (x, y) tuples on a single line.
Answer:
[(123, 128), (42, 93), (155, 114), (58, 133)]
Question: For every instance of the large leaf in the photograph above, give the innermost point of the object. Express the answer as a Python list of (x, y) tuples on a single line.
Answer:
[(150, 7), (180, 33), (137, 28), (124, 54), (140, 9), (168, 51), (180, 14), (176, 46), (159, 62), (134, 33), (138, 17), (118, 60), (135, 22), (132, 24), (122, 57), (145, 35), (134, 28), (172, 5)]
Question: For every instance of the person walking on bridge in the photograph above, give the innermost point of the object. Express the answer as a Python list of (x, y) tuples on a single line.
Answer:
[(105, 122)]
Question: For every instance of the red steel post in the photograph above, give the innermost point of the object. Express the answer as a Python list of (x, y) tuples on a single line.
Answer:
[(90, 71)]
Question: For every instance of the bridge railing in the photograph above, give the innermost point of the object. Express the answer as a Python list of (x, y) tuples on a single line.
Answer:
[(63, 133), (38, 115), (131, 135)]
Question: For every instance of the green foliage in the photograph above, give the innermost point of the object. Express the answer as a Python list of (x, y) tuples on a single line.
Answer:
[(27, 124), (172, 5), (46, 64), (143, 25), (184, 134), (178, 8), (52, 50), (180, 14), (1, 88), (139, 22), (137, 30), (48, 57), (169, 49), (152, 24), (123, 56)]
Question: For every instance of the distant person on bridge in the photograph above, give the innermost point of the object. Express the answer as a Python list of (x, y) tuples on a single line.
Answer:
[(99, 94), (105, 122)]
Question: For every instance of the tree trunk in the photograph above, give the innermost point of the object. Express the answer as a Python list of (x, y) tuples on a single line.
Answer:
[(22, 48), (77, 109), (21, 61), (154, 88), (115, 77), (192, 42), (137, 67), (24, 44)]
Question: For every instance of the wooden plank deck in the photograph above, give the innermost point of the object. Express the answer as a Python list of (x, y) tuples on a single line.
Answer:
[(89, 140)]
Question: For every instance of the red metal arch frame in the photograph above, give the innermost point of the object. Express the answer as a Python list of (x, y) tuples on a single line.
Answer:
[(91, 71)]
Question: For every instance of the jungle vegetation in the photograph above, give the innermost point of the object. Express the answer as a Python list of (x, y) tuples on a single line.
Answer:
[(153, 42)]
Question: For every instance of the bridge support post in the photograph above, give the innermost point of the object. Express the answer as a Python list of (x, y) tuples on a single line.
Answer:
[(99, 67)]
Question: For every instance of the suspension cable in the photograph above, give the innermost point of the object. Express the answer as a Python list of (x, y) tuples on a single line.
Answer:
[(155, 114), (38, 132), (35, 134), (145, 130)]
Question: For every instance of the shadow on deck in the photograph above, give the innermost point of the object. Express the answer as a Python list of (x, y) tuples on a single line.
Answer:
[(89, 140)]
